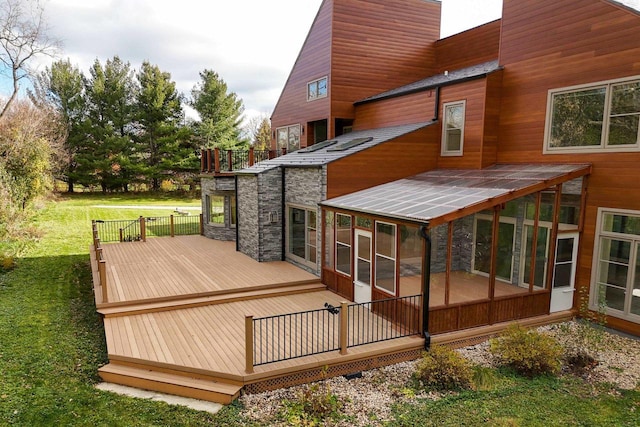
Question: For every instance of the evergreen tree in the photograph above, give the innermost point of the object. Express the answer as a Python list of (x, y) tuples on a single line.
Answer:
[(220, 113), (262, 137)]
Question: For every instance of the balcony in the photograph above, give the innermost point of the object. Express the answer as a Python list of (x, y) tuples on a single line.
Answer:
[(225, 162)]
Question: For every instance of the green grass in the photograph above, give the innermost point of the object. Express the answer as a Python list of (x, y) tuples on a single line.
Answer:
[(518, 401), (51, 339)]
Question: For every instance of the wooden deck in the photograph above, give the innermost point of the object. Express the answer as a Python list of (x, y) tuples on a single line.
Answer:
[(174, 320)]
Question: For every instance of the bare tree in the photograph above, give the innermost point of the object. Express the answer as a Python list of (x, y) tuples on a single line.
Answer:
[(23, 37)]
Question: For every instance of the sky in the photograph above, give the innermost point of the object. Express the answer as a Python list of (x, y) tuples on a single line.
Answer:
[(251, 44)]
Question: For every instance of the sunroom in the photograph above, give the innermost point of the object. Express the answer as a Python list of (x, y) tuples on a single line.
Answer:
[(481, 246)]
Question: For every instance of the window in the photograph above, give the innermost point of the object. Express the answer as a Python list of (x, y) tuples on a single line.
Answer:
[(317, 89), (343, 244), (385, 277), (302, 240), (453, 128), (616, 282), (603, 116), (288, 137), (410, 254), (329, 238), (483, 242), (215, 204)]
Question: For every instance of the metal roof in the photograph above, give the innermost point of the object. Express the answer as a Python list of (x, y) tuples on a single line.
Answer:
[(437, 193), (455, 76), (329, 152), (632, 4)]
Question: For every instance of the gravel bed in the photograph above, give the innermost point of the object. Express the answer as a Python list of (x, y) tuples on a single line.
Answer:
[(369, 399)]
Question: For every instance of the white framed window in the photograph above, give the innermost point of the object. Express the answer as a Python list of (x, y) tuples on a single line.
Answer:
[(288, 137), (615, 282), (453, 128), (302, 235), (343, 244), (317, 89), (603, 116), (385, 261)]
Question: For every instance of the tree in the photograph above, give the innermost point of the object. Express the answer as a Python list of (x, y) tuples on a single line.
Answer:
[(23, 37), (262, 137), (62, 86), (158, 116), (220, 112), (107, 158)]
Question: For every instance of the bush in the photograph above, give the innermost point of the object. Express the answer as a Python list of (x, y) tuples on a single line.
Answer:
[(484, 378), (529, 352), (444, 369)]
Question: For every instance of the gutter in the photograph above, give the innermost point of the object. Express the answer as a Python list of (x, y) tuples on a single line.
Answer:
[(426, 279)]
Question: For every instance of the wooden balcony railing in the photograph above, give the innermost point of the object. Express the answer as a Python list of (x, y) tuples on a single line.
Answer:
[(215, 160)]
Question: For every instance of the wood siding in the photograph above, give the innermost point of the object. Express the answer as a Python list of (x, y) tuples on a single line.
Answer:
[(380, 45), (413, 108), (471, 47), (560, 44), (405, 156), (313, 62)]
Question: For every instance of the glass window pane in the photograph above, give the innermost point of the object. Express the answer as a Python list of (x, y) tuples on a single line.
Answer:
[(562, 276), (343, 259), (364, 271), (623, 130), (577, 118), (294, 138), (386, 239), (216, 209), (343, 227), (385, 274), (454, 139), (282, 137), (482, 250), (322, 87), (617, 223), (297, 232), (363, 222), (625, 98), (614, 298), (504, 258), (313, 90), (329, 238), (364, 247), (411, 245)]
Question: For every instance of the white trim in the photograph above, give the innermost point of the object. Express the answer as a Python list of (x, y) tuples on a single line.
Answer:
[(606, 115), (350, 245), (443, 144)]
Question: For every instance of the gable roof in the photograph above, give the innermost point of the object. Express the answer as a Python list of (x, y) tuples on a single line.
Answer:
[(450, 194), (451, 77), (344, 145)]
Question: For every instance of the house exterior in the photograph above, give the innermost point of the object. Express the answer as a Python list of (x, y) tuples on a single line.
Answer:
[(494, 171)]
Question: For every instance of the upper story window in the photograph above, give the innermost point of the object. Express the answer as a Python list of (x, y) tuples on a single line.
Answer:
[(453, 128), (317, 89), (288, 137), (599, 117)]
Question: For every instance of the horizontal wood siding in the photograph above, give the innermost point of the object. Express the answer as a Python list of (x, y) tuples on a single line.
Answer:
[(313, 62), (379, 45), (557, 44), (475, 46), (473, 92), (405, 156), (491, 119), (413, 108)]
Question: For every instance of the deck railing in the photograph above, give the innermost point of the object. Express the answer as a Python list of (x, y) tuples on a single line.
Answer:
[(141, 228), (288, 336), (215, 160)]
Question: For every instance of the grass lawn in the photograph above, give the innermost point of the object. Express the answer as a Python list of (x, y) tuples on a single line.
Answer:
[(52, 343)]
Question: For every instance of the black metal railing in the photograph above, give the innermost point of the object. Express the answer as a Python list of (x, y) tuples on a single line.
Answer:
[(293, 335), (289, 336), (118, 230), (139, 229), (223, 161), (383, 320)]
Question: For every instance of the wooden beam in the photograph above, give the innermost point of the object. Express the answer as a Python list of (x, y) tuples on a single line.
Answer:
[(344, 327), (248, 343)]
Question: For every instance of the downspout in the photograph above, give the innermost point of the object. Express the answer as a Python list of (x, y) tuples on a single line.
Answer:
[(436, 112), (284, 235), (237, 211), (426, 279)]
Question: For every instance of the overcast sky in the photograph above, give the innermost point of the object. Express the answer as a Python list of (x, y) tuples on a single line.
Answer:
[(251, 44)]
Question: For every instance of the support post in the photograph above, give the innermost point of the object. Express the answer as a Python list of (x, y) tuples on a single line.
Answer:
[(230, 160), (98, 253), (102, 271), (209, 160), (248, 341), (216, 160), (143, 229), (251, 156), (344, 327), (172, 230)]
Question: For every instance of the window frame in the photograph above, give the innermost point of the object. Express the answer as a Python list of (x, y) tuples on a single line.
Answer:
[(502, 219), (316, 83), (307, 244), (288, 129), (634, 255), (339, 243), (377, 254), (604, 145), (208, 200), (445, 131)]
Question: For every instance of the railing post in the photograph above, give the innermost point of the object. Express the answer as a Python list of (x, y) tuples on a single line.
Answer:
[(230, 160), (202, 224), (209, 160), (251, 156), (172, 231), (344, 327), (121, 236), (203, 160), (102, 271), (143, 229), (248, 341), (98, 253), (216, 160)]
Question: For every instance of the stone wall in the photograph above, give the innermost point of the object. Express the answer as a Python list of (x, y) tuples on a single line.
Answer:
[(270, 215), (218, 186), (247, 222)]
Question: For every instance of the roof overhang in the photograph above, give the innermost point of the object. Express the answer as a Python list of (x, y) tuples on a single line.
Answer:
[(439, 196)]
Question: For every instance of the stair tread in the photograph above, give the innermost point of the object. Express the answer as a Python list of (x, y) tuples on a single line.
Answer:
[(210, 298), (165, 377)]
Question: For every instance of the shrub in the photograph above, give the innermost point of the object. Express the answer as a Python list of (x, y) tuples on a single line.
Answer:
[(529, 352), (484, 378), (7, 262), (444, 369)]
